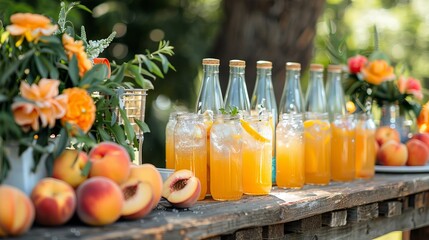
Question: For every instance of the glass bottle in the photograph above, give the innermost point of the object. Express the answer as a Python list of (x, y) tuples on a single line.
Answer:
[(292, 100), (226, 158), (290, 151), (257, 155), (263, 97), (190, 147), (210, 96), (210, 101), (335, 101), (315, 97), (236, 92), (365, 146), (343, 155)]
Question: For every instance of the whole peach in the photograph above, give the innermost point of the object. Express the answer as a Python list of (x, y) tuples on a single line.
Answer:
[(385, 133), (69, 165), (418, 153), (16, 212), (110, 160), (54, 200), (392, 153), (424, 137), (99, 201)]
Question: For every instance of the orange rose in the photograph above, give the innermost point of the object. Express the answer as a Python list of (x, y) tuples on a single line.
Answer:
[(45, 105), (106, 62), (76, 48), (80, 109), (31, 26), (423, 119), (377, 72)]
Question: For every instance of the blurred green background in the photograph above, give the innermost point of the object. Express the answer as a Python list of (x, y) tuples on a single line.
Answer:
[(276, 30)]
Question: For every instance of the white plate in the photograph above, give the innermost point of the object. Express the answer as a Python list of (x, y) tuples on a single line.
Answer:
[(402, 169)]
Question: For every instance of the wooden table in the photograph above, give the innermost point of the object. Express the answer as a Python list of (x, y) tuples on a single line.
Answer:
[(362, 209)]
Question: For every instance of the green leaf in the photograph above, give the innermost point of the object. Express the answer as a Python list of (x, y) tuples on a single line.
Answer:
[(103, 134), (95, 75), (164, 62), (127, 125), (119, 75), (74, 71), (86, 169), (61, 143), (142, 125), (119, 134)]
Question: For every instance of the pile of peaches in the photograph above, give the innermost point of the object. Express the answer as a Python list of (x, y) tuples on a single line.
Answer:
[(391, 152), (114, 188)]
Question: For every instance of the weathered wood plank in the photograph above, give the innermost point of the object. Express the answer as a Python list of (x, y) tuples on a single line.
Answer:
[(335, 218), (415, 218), (305, 224), (211, 218), (249, 233), (417, 200), (276, 231), (390, 208), (362, 213)]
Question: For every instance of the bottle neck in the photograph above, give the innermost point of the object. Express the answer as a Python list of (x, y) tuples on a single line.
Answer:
[(210, 96), (292, 100), (236, 93), (335, 95)]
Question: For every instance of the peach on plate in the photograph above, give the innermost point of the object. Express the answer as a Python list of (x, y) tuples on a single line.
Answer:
[(418, 153), (16, 212), (54, 201), (69, 165), (138, 199), (392, 153), (182, 189), (424, 137), (110, 160), (385, 133), (99, 201), (148, 173)]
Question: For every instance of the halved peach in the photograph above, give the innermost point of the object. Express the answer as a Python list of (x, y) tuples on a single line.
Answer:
[(148, 173), (138, 198), (182, 188)]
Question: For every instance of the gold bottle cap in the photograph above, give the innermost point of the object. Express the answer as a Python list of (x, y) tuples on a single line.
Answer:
[(264, 64), (335, 68), (211, 61), (237, 63), (316, 67), (293, 66)]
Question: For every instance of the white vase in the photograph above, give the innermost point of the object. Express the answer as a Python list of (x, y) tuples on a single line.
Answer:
[(21, 174)]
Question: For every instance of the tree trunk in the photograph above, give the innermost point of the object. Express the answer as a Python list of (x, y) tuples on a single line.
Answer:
[(276, 30)]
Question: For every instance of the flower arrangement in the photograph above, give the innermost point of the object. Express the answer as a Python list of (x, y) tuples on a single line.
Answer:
[(48, 77), (374, 79)]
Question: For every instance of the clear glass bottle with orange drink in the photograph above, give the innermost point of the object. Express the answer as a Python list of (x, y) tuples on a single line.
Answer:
[(343, 165), (290, 151), (225, 158), (317, 153), (190, 147), (365, 146), (257, 154)]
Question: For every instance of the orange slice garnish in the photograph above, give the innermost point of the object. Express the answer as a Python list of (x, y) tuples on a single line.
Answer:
[(252, 132)]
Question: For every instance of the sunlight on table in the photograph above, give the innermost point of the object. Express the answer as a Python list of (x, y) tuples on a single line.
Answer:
[(391, 236)]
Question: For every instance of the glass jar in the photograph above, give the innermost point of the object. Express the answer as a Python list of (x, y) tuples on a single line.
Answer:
[(292, 100), (257, 155), (290, 151), (315, 98), (190, 147), (365, 146), (335, 101), (263, 98), (317, 140), (343, 164), (236, 92), (169, 141), (225, 158)]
